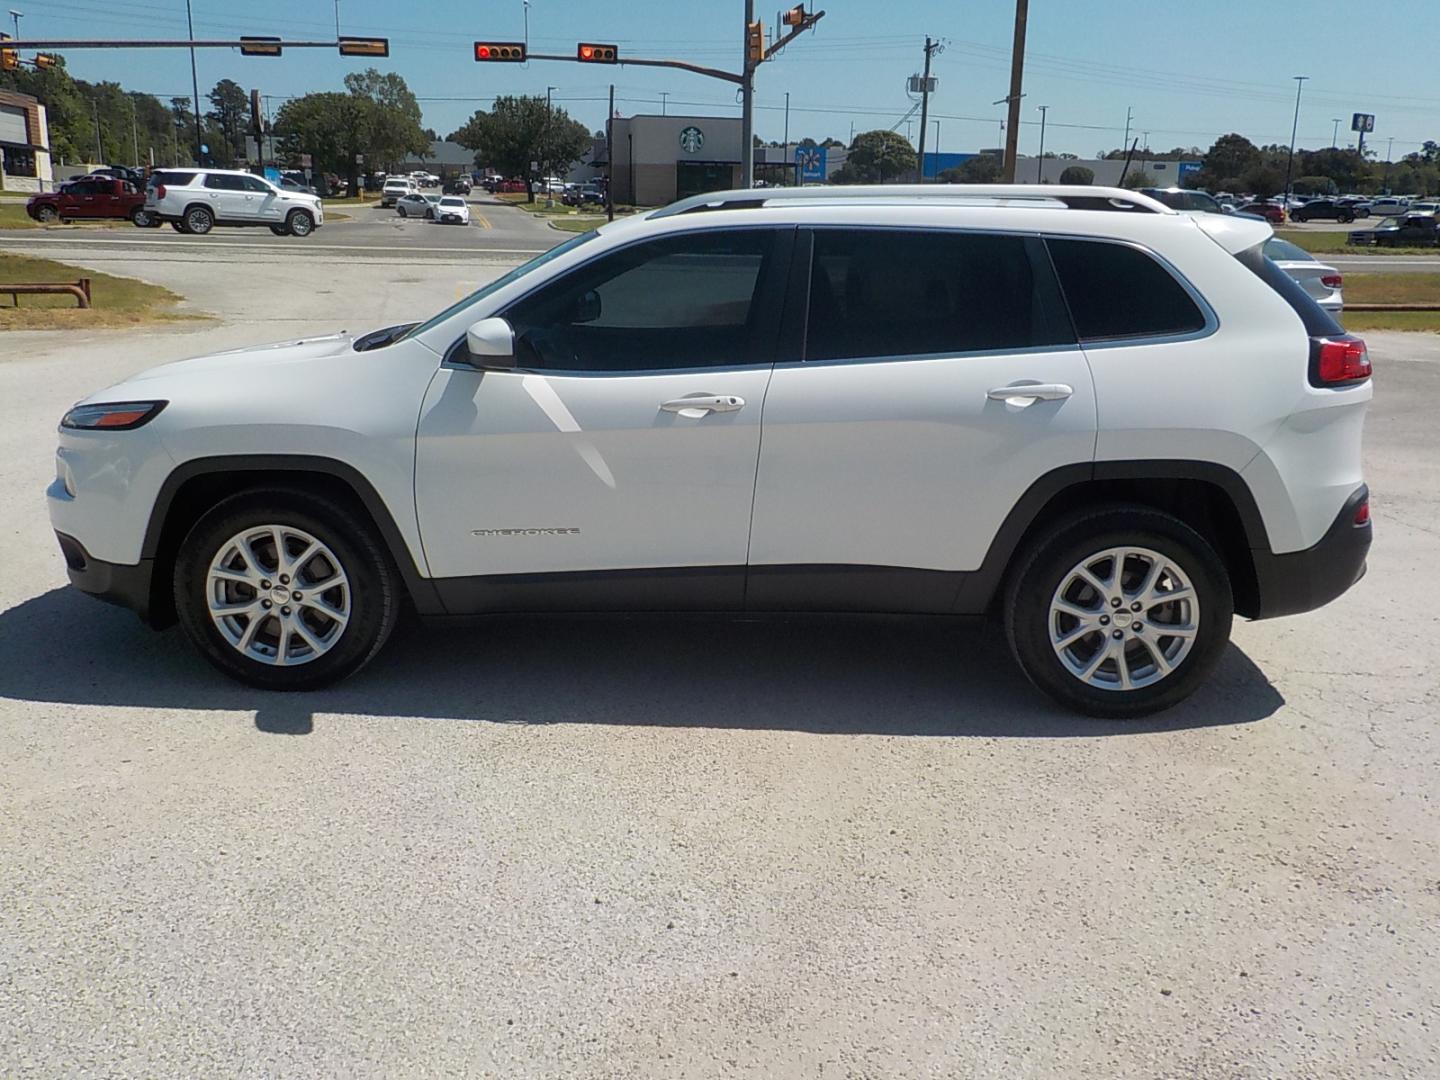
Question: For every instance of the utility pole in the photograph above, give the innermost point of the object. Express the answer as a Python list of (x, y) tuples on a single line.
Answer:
[(1389, 155), (1040, 166), (747, 104), (1017, 80), (1129, 116), (786, 141), (544, 148), (194, 86), (134, 130), (1335, 134), (930, 47), (16, 15), (99, 152), (663, 95), (1294, 127), (610, 158)]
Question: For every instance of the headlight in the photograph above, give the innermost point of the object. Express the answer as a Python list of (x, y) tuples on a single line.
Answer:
[(112, 416)]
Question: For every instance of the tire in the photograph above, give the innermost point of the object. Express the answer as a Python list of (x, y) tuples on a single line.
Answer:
[(139, 218), (199, 220), (180, 227), (1047, 572), (429, 215), (47, 215), (401, 211), (338, 540), (279, 230), (1346, 219), (299, 223)]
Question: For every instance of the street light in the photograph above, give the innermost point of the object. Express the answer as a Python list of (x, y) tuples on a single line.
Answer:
[(1335, 135), (16, 15), (1300, 81)]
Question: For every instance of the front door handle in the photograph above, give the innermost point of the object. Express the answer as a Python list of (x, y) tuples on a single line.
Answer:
[(695, 407), (1025, 394)]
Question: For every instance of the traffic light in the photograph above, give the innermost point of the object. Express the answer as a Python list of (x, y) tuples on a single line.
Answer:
[(500, 52), (9, 58), (795, 16), (45, 61), (755, 42), (257, 117), (589, 53), (261, 46), (377, 46)]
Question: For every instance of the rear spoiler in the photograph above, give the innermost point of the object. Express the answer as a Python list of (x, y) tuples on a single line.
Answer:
[(1234, 234)]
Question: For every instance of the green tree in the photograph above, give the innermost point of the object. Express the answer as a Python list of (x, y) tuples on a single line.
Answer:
[(1314, 185), (394, 131), (228, 106), (331, 127), (1137, 179), (980, 169), (1232, 155), (1263, 180), (878, 156), (518, 132), (1077, 174)]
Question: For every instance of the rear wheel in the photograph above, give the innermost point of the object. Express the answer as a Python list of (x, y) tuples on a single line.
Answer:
[(299, 223), (285, 590), (139, 218), (199, 220), (1345, 219), (401, 209), (279, 230), (47, 215), (179, 226), (1119, 613)]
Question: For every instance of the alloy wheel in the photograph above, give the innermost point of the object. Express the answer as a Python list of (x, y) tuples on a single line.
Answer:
[(1124, 618), (278, 595)]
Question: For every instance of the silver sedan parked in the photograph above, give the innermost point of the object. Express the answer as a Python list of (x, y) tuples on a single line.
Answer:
[(1320, 280)]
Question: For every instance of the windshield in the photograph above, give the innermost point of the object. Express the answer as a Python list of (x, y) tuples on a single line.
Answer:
[(452, 202), (503, 280), (1284, 251)]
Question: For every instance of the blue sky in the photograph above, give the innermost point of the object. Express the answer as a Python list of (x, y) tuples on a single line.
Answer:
[(1190, 71)]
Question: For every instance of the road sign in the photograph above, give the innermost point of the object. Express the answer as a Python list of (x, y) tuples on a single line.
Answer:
[(812, 161), (1363, 122)]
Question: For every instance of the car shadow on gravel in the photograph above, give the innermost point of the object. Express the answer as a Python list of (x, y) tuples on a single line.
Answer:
[(833, 676)]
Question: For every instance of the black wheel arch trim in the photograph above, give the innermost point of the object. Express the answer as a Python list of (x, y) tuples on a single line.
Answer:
[(421, 589), (978, 589)]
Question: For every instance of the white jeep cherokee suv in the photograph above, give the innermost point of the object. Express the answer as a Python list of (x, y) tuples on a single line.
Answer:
[(196, 200), (1111, 424)]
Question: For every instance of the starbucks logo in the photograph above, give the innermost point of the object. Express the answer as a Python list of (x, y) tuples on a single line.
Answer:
[(691, 139)]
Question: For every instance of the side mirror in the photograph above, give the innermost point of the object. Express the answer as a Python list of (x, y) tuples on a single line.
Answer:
[(491, 343)]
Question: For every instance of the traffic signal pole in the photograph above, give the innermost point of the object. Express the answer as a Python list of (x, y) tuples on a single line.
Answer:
[(747, 105)]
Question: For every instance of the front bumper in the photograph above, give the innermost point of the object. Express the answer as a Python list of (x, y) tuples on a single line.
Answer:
[(115, 583), (1305, 580)]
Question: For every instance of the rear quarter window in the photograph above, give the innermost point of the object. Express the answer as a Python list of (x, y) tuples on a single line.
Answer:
[(1118, 292)]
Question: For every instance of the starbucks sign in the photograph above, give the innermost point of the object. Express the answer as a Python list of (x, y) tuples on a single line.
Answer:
[(691, 139)]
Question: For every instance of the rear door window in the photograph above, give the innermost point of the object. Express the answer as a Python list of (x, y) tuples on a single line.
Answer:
[(1117, 292), (884, 293)]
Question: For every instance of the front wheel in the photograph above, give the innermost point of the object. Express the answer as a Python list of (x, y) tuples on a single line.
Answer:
[(402, 212), (1119, 613), (285, 590), (299, 223), (47, 215), (139, 218)]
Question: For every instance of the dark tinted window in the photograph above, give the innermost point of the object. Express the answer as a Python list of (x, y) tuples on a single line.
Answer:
[(252, 183), (879, 292), (1117, 291), (179, 179), (80, 187), (222, 182), (681, 302)]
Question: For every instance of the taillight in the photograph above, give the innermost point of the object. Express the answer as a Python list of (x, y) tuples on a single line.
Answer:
[(159, 191), (1338, 361), (1333, 281), (1362, 513)]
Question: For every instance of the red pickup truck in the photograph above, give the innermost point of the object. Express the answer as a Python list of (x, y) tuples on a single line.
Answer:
[(92, 197)]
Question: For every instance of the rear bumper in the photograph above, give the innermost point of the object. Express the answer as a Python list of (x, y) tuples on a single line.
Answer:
[(115, 583), (1305, 580)]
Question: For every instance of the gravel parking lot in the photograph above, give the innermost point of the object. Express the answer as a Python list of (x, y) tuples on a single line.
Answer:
[(599, 848)]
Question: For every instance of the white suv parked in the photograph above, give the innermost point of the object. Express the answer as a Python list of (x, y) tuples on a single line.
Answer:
[(196, 200), (1111, 424)]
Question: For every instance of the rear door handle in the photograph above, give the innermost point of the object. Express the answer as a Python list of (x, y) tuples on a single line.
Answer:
[(1028, 393), (695, 407)]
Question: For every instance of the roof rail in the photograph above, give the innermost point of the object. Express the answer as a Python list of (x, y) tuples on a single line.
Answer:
[(1053, 196)]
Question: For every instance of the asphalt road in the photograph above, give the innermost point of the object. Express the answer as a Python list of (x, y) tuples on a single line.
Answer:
[(598, 849), (495, 228)]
